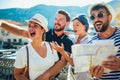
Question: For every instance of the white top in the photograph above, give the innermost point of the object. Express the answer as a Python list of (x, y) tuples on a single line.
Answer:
[(84, 40), (37, 64), (80, 75)]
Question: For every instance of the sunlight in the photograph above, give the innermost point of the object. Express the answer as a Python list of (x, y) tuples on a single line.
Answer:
[(29, 3)]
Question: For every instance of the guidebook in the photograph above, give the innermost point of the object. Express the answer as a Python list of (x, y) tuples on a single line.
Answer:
[(85, 55)]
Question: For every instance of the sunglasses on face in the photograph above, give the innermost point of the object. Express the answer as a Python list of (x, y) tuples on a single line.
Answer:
[(100, 15)]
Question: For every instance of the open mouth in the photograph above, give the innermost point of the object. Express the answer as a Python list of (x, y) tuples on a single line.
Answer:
[(98, 25), (32, 34), (57, 24), (75, 31)]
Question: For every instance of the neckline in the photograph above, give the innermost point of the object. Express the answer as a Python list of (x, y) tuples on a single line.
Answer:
[(61, 37), (38, 53), (109, 36)]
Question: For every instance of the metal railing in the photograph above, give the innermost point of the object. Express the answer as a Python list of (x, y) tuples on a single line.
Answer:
[(6, 69)]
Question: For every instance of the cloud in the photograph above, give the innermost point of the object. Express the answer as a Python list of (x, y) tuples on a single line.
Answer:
[(30, 3)]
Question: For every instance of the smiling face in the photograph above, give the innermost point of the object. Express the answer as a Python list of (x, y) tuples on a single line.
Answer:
[(78, 27), (100, 20), (35, 31), (60, 22)]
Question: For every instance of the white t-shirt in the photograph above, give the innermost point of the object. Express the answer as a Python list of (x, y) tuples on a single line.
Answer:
[(84, 40), (37, 64)]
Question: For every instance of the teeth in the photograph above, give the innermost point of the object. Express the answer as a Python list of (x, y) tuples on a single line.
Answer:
[(32, 32), (98, 24)]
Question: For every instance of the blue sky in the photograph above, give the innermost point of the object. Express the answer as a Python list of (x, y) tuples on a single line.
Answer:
[(29, 3)]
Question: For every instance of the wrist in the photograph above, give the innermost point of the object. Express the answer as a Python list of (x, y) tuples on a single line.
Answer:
[(47, 74), (62, 51), (2, 22)]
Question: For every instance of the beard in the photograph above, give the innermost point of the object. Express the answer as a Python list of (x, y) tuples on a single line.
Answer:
[(59, 29), (104, 26)]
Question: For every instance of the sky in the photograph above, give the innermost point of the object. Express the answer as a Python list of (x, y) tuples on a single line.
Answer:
[(30, 3)]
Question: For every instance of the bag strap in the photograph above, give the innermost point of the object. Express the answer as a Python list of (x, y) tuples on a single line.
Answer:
[(72, 75), (27, 61)]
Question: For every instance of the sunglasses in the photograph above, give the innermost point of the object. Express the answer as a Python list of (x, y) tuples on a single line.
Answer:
[(100, 15)]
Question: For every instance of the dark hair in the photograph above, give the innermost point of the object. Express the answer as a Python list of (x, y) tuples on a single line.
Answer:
[(67, 15), (83, 20), (100, 6)]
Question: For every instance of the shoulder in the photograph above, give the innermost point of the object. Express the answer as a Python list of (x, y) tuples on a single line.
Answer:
[(116, 35), (47, 43), (118, 30), (93, 38), (49, 32), (49, 35), (22, 50), (85, 39), (68, 39)]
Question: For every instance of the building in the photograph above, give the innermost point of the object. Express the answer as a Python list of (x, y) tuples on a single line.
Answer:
[(8, 40)]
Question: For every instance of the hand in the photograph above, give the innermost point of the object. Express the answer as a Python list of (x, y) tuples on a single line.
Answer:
[(96, 71), (57, 47), (1, 22), (113, 63)]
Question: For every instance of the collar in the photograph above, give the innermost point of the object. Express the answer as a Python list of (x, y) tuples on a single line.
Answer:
[(61, 37), (85, 39)]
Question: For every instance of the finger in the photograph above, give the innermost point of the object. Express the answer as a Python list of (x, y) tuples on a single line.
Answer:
[(117, 59), (97, 71), (101, 71), (54, 45), (112, 66), (112, 57), (109, 63), (62, 45), (57, 44), (91, 69)]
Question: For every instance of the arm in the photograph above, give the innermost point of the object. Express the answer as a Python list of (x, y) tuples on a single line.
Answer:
[(61, 50), (13, 29), (18, 74), (53, 71)]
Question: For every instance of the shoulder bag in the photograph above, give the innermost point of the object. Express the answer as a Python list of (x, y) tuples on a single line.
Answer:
[(26, 70)]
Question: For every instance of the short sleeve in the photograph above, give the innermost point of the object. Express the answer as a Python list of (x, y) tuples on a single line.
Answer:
[(20, 61)]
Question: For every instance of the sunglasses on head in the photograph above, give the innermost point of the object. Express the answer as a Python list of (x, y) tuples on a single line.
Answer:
[(100, 15)]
